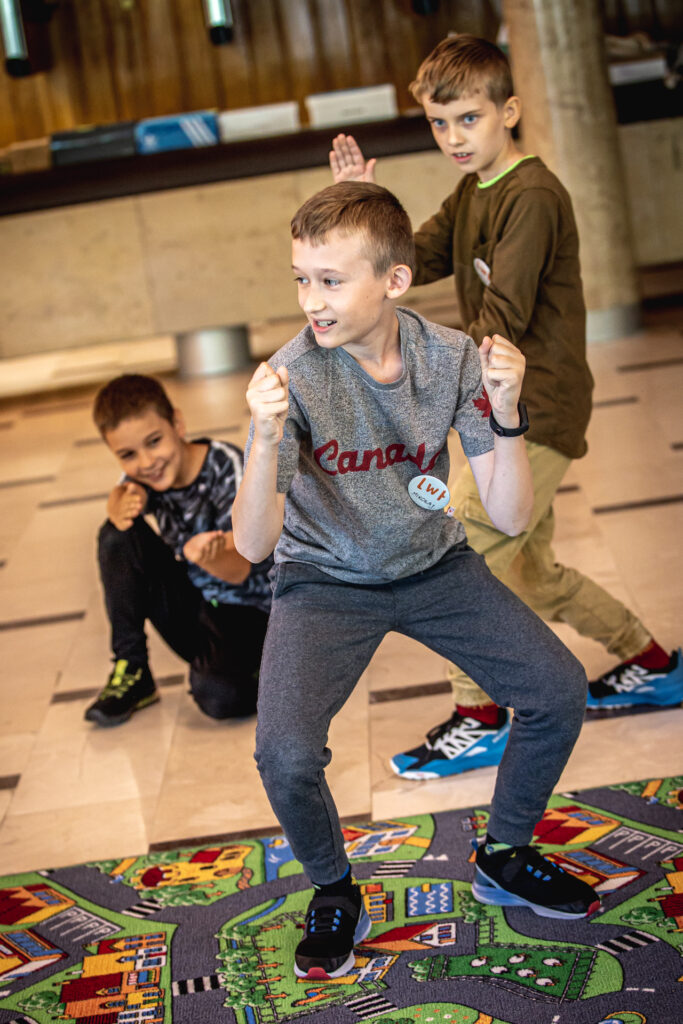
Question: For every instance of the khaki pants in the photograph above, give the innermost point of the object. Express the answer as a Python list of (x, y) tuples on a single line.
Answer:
[(526, 564)]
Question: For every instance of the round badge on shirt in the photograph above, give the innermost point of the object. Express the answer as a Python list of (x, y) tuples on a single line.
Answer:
[(429, 492)]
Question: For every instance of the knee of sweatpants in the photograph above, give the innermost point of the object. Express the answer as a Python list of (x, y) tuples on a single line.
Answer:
[(112, 543), (109, 536), (284, 758), (569, 692), (557, 690), (218, 698)]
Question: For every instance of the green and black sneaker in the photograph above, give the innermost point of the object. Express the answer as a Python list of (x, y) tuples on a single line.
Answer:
[(128, 689)]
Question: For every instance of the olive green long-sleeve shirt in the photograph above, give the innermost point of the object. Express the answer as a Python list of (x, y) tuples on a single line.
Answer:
[(513, 249)]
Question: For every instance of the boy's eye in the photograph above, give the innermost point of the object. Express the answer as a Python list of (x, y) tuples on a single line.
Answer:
[(331, 281), (299, 280), (153, 441), (438, 122), (469, 119)]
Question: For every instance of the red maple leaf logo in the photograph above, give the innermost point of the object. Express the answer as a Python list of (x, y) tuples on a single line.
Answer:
[(482, 403)]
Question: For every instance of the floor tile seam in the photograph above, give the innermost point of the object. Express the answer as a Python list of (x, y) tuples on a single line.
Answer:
[(606, 403), (151, 824), (414, 690), (51, 812), (20, 775), (421, 690), (653, 364), (29, 481), (67, 696), (364, 683), (76, 499), (214, 432), (263, 832), (43, 620), (29, 412), (628, 506)]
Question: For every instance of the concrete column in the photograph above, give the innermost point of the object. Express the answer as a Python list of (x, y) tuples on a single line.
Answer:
[(568, 119)]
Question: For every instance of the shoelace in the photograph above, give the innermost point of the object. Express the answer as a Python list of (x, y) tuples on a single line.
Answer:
[(120, 681), (439, 731), (323, 921), (537, 865), (529, 859), (454, 737)]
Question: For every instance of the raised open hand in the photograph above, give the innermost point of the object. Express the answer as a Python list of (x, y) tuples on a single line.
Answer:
[(347, 162)]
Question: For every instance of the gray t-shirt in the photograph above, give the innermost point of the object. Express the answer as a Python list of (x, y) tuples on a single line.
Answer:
[(352, 445)]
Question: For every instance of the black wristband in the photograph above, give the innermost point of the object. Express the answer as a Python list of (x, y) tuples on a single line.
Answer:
[(511, 431)]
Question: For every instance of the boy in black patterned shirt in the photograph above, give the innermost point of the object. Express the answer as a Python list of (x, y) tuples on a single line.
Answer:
[(208, 603)]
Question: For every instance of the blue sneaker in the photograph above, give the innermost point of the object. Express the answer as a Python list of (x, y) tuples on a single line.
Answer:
[(630, 685), (455, 746)]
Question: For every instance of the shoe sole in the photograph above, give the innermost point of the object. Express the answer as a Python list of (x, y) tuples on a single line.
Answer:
[(320, 974), (494, 758), (485, 890), (93, 715), (611, 702), (633, 706)]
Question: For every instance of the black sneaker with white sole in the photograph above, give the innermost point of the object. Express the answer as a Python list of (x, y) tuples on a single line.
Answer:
[(520, 876), (127, 690), (334, 924)]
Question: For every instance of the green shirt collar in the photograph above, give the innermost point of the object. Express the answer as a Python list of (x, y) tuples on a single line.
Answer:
[(487, 184)]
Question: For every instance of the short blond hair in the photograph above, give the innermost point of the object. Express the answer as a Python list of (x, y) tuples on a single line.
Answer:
[(359, 207), (460, 66)]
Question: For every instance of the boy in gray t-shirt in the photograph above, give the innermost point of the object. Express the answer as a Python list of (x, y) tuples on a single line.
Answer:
[(347, 463)]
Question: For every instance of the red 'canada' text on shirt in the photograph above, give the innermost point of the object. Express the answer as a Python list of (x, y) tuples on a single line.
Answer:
[(347, 461)]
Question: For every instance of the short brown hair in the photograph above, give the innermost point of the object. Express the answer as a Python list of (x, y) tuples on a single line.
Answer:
[(460, 66), (128, 396), (364, 208)]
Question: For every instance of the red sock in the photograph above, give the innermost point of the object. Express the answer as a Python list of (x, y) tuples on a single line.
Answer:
[(487, 714), (653, 657)]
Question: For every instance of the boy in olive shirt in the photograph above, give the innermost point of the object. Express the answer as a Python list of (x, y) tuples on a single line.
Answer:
[(507, 234)]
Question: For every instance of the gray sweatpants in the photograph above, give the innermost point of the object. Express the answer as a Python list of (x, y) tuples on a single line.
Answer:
[(321, 637)]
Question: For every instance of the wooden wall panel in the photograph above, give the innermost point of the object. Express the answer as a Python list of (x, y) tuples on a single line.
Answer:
[(258, 31), (233, 64), (95, 80), (115, 60), (340, 64), (162, 57), (300, 46), (661, 19)]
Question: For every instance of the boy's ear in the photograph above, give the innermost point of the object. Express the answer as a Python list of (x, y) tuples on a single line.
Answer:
[(512, 111), (400, 278), (179, 423)]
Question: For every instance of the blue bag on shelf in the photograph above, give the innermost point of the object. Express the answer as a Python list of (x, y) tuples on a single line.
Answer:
[(176, 131)]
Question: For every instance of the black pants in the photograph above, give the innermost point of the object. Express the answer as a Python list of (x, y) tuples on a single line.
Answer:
[(142, 580)]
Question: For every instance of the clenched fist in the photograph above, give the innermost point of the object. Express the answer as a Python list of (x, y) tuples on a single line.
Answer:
[(502, 371), (268, 401)]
